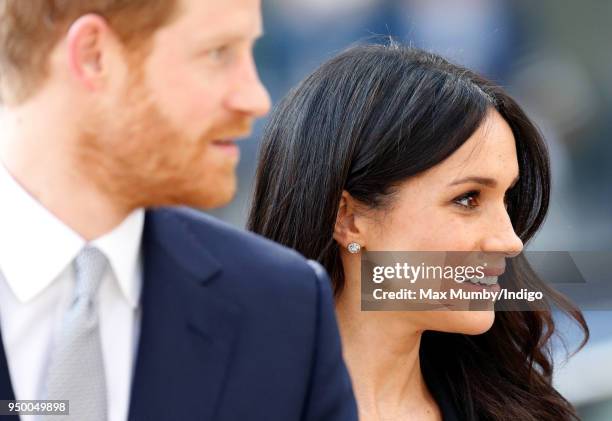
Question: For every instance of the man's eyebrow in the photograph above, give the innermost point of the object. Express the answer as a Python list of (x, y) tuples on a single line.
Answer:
[(485, 181), (232, 36)]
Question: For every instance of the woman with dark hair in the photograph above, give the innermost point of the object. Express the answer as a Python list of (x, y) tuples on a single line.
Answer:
[(393, 148)]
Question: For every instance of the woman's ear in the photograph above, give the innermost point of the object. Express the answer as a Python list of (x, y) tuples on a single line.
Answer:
[(348, 226)]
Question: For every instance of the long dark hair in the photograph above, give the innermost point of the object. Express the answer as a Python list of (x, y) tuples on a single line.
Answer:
[(364, 122)]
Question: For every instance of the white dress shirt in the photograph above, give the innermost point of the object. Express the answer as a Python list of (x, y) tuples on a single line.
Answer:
[(36, 286)]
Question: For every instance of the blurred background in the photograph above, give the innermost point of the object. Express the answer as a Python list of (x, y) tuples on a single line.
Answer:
[(553, 56)]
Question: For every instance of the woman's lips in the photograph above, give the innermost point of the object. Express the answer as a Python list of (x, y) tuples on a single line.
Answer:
[(494, 271), (489, 279), (471, 286)]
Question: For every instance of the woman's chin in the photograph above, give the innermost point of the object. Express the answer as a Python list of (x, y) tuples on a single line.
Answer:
[(466, 322), (476, 322)]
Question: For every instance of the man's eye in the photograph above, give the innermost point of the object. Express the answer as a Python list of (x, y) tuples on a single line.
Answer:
[(468, 200), (218, 53)]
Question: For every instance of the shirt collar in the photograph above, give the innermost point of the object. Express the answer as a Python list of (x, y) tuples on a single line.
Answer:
[(122, 248), (36, 246)]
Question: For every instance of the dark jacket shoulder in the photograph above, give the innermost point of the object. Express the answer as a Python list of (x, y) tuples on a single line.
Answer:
[(248, 261)]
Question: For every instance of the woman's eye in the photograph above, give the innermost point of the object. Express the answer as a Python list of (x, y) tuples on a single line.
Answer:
[(468, 200)]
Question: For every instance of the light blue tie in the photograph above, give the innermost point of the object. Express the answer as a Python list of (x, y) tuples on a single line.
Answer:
[(76, 370)]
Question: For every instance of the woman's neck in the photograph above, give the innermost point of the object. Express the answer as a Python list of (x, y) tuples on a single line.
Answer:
[(382, 354)]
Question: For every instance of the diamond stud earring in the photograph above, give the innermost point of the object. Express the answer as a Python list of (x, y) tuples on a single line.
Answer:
[(353, 247)]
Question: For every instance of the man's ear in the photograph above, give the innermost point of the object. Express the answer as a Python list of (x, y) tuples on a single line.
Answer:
[(349, 227), (88, 47)]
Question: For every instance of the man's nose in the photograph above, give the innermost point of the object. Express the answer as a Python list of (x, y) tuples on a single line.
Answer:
[(249, 97)]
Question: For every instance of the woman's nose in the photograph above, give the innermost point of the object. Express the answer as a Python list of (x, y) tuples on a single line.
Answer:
[(500, 237)]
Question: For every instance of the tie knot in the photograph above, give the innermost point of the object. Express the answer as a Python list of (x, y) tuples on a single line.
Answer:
[(89, 267)]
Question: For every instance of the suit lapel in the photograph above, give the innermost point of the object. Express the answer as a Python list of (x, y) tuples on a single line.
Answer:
[(187, 331)]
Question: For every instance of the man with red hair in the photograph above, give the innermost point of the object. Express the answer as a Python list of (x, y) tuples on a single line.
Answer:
[(115, 113)]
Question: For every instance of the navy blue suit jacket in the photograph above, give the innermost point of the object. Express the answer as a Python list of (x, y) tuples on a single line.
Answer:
[(234, 328)]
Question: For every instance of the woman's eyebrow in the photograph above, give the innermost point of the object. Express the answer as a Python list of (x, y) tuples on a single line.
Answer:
[(485, 181)]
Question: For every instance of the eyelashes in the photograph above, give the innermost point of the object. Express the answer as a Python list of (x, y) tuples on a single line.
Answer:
[(468, 200), (471, 200)]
